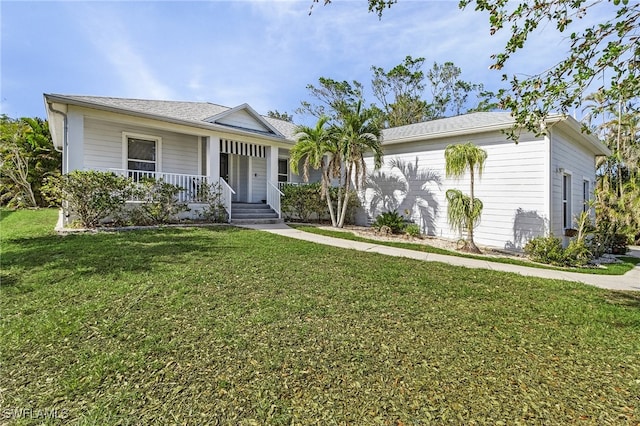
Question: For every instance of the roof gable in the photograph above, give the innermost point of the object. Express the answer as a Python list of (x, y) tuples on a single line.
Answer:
[(244, 117)]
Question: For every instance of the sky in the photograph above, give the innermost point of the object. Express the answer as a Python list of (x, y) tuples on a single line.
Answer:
[(260, 52)]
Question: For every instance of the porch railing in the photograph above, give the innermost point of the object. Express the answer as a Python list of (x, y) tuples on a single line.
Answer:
[(193, 186), (227, 195), (273, 198)]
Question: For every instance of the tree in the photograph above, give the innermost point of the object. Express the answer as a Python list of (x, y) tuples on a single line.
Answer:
[(280, 115), (608, 50), (338, 150), (27, 157), (358, 133), (464, 210), (449, 93), (333, 96), (318, 150), (399, 91)]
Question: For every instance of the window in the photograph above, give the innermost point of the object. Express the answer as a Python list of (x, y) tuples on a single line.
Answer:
[(585, 195), (566, 201), (283, 170), (141, 154)]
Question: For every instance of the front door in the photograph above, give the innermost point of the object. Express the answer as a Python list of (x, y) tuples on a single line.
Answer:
[(224, 167)]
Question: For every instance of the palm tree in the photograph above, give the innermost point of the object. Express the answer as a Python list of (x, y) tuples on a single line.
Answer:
[(358, 134), (464, 211), (314, 145)]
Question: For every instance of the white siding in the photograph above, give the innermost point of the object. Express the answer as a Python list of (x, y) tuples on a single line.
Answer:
[(103, 146), (570, 158), (244, 120), (512, 188)]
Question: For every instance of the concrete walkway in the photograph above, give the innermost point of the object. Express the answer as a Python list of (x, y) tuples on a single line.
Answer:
[(628, 281)]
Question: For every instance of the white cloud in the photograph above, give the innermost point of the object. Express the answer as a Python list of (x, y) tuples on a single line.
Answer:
[(105, 29)]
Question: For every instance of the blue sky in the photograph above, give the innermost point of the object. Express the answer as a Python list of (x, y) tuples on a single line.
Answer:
[(263, 53)]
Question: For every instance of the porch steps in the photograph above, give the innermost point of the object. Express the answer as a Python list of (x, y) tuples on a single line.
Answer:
[(253, 213)]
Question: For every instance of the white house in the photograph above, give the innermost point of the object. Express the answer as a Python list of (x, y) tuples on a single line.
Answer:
[(183, 143), (531, 188)]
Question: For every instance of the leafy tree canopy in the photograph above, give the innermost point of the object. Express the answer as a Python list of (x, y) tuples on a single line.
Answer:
[(280, 115), (605, 55)]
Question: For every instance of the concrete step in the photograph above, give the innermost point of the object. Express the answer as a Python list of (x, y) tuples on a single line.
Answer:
[(235, 221)]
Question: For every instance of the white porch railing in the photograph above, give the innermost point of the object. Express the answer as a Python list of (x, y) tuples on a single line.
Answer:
[(273, 198), (227, 195), (283, 184), (193, 186)]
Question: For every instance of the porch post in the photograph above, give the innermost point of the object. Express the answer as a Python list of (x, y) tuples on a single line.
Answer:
[(272, 165), (213, 157)]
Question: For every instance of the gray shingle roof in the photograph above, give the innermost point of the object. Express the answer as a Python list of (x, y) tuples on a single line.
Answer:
[(195, 112), (474, 122)]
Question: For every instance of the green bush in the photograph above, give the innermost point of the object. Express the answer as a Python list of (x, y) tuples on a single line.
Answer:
[(91, 195), (393, 220), (413, 230), (210, 194), (549, 250), (160, 202), (305, 203), (545, 250), (301, 202)]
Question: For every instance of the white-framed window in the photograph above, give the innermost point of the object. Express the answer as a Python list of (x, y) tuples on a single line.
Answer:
[(586, 195), (283, 170), (141, 152), (566, 200)]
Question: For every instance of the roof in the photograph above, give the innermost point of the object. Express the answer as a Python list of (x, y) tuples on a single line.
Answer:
[(198, 113), (479, 122)]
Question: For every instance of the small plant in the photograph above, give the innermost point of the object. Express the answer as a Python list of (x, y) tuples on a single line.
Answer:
[(160, 202), (210, 194), (412, 230), (545, 250), (393, 220), (549, 250)]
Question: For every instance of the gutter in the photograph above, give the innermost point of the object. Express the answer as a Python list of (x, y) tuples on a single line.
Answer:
[(201, 125), (64, 126)]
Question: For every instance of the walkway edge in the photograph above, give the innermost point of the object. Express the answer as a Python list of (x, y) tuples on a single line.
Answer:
[(629, 281)]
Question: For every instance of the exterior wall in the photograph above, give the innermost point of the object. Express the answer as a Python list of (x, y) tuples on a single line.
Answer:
[(103, 147), (512, 188), (242, 119), (567, 157)]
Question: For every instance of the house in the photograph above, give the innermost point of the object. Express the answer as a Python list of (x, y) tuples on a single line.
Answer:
[(535, 187), (531, 188), (183, 143)]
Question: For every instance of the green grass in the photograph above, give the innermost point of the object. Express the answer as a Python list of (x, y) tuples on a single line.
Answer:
[(627, 264), (234, 326)]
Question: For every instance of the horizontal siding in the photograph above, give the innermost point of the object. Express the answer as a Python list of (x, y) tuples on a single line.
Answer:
[(511, 189), (103, 146), (580, 164)]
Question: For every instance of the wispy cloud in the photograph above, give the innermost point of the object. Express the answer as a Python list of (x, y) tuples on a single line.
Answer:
[(105, 28)]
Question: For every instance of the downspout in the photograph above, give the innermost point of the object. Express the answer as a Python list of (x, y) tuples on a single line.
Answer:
[(64, 214), (64, 150)]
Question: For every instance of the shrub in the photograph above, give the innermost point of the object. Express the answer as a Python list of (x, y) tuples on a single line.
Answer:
[(210, 194), (412, 230), (92, 195), (549, 250), (301, 202), (545, 250), (392, 219), (160, 202), (305, 203), (577, 253)]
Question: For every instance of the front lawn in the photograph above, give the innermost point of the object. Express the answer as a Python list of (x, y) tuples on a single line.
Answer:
[(234, 326)]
